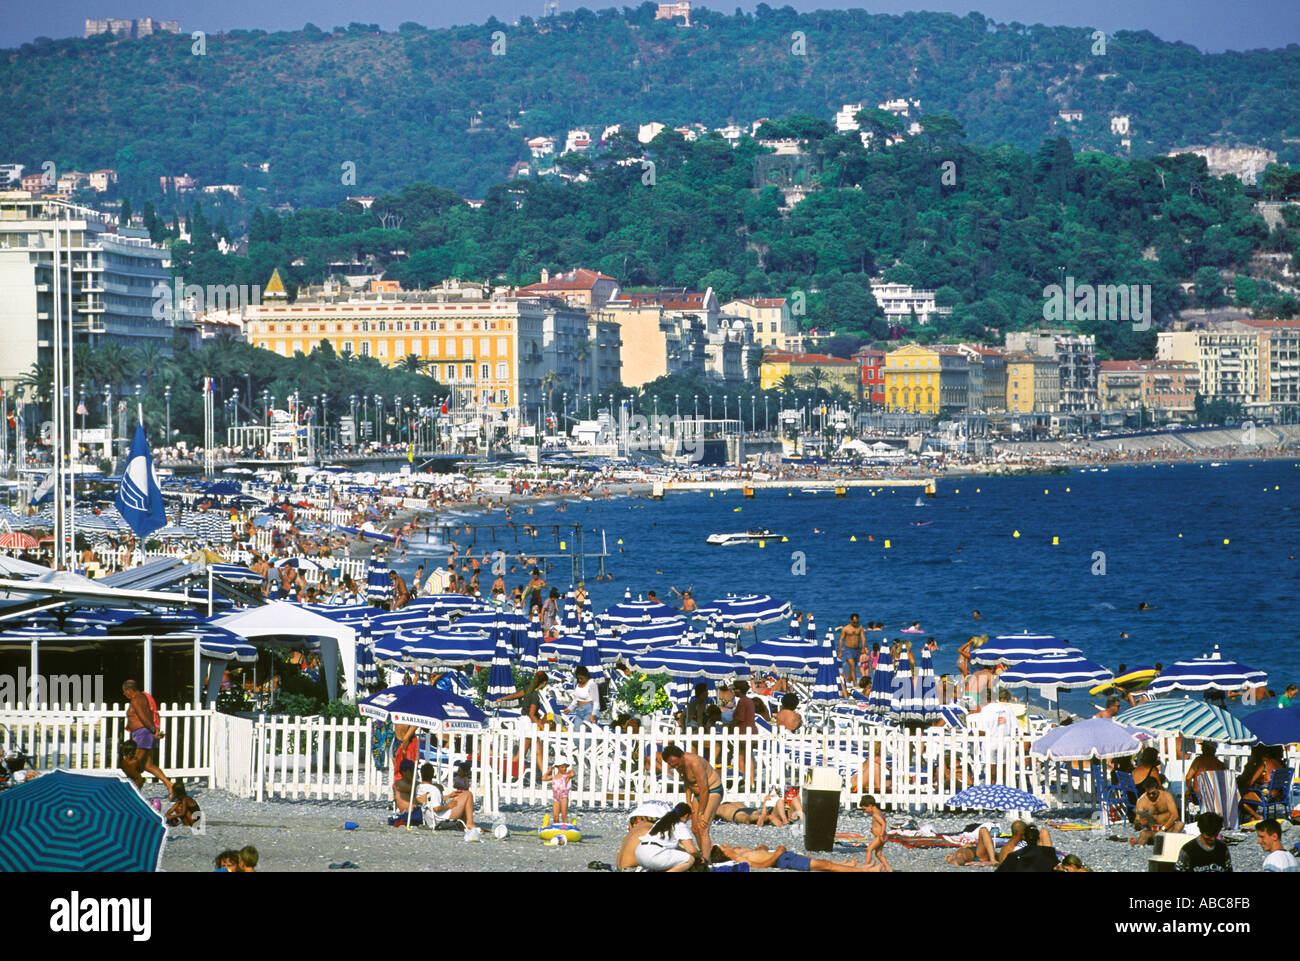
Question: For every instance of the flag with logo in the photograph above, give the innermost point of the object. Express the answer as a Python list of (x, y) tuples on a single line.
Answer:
[(139, 500), (43, 489)]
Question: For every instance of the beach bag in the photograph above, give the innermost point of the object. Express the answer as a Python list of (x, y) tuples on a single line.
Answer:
[(156, 718)]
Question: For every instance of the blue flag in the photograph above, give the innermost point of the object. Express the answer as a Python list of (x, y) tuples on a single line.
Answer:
[(138, 498)]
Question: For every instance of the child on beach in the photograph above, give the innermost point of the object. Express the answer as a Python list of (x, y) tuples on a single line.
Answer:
[(560, 776), (185, 811), (248, 860), (876, 849), (227, 861)]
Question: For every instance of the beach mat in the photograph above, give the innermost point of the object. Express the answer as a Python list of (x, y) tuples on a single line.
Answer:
[(1072, 825)]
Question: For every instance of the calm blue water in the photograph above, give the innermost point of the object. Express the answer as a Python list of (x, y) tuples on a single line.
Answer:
[(1241, 596)]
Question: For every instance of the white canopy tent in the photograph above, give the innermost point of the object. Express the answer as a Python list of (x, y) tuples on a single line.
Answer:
[(282, 620)]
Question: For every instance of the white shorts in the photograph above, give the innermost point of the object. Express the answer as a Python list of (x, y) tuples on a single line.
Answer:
[(653, 857)]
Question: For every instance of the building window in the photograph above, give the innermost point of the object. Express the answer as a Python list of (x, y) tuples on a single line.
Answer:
[(365, 326), (383, 326), (383, 348), (469, 371), (484, 346), (484, 371), (365, 348), (503, 371), (399, 348), (297, 346), (347, 347)]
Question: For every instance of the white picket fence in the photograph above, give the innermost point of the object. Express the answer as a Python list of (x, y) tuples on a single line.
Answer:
[(89, 739), (331, 759)]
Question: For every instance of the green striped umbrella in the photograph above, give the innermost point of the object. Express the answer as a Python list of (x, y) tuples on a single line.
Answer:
[(79, 822), (1189, 718)]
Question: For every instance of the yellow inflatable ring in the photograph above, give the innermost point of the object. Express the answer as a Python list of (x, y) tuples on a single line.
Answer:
[(569, 832)]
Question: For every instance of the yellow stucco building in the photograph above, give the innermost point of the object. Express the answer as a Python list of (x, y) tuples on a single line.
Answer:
[(912, 376), (837, 371)]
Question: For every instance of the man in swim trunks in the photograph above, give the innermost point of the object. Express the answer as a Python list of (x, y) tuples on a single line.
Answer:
[(850, 648), (703, 790), (140, 726)]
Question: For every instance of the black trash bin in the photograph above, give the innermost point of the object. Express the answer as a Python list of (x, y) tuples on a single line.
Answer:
[(821, 809)]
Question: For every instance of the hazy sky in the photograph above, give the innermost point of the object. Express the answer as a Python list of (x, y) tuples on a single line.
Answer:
[(1208, 24)]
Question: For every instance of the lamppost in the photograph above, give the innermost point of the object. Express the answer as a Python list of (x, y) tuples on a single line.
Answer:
[(167, 397), (352, 406), (379, 418), (677, 406), (753, 424), (767, 426), (82, 407), (234, 407), (108, 419), (710, 405), (266, 408), (20, 430)]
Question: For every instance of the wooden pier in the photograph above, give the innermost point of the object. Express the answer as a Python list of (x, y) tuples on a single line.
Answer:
[(840, 485), (566, 542)]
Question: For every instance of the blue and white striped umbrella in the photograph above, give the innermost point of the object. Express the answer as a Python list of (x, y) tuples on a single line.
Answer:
[(915, 694), (367, 669), (353, 615), (379, 587), (501, 680), (404, 619), (222, 644), (566, 650), (688, 661), (640, 611), (591, 654), (788, 655), (528, 655), (826, 686), (445, 605), (661, 634), (995, 797), (1207, 672), (811, 629), (1189, 718), (445, 649), (1057, 669), (570, 613), (386, 650), (1014, 648), (235, 574), (748, 610), (882, 684)]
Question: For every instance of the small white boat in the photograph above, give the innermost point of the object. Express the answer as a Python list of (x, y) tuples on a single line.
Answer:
[(742, 537)]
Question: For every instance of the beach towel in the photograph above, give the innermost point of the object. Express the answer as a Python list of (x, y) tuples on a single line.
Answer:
[(916, 839), (1072, 825), (1218, 793), (852, 839)]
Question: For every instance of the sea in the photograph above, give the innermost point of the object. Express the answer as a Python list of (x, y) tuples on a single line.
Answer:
[(1211, 550)]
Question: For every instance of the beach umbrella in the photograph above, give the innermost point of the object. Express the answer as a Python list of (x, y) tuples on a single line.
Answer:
[(528, 655), (826, 685), (403, 619), (685, 660), (639, 611), (566, 649), (1013, 648), (994, 797), (658, 634), (749, 610), (220, 643), (882, 684), (379, 587), (501, 680), (789, 655), (424, 706), (79, 822), (916, 697), (425, 648), (1207, 672), (1055, 669), (1275, 726), (1097, 737), (570, 613), (1188, 718), (590, 654), (367, 669), (235, 574), (17, 541), (300, 563), (444, 605)]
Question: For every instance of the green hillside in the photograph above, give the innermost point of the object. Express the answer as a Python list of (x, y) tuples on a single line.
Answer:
[(438, 106)]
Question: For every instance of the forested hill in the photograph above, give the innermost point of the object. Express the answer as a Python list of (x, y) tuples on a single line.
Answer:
[(439, 106)]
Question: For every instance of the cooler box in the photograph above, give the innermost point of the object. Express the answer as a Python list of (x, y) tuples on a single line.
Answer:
[(821, 808), (1164, 856)]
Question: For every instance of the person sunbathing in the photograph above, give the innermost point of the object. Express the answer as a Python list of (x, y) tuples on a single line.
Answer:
[(781, 859), (988, 850), (734, 812)]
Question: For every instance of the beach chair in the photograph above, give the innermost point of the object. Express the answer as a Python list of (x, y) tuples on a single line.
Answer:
[(1276, 793), (1113, 799), (1218, 793)]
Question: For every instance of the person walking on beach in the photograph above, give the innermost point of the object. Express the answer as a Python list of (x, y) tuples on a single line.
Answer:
[(850, 648), (142, 723), (703, 790)]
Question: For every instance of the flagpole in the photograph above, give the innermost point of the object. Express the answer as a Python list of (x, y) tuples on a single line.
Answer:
[(72, 445), (57, 394)]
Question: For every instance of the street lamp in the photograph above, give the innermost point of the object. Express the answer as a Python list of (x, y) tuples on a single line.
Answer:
[(710, 405), (266, 408), (352, 406), (234, 407), (677, 406), (167, 396)]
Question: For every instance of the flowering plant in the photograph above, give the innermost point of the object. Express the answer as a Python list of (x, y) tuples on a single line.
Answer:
[(642, 694)]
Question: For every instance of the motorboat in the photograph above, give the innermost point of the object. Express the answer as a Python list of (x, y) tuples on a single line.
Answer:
[(742, 537)]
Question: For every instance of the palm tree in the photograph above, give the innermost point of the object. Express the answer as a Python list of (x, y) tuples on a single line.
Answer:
[(787, 385), (414, 364), (840, 397), (40, 378), (581, 353), (815, 379)]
